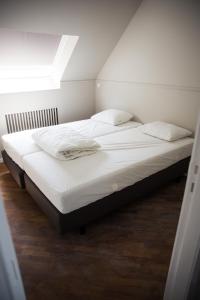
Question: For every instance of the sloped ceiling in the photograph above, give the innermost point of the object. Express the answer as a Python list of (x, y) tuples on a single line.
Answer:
[(23, 48), (98, 23)]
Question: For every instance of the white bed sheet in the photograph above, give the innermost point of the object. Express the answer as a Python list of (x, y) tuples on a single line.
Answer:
[(19, 144), (126, 158)]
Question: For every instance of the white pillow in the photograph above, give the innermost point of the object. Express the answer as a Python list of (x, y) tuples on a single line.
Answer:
[(112, 116), (165, 131)]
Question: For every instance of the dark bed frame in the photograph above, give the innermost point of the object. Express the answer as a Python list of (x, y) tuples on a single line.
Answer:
[(15, 170), (84, 215)]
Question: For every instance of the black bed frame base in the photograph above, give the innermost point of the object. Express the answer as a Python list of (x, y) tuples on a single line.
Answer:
[(81, 217), (15, 170), (84, 215)]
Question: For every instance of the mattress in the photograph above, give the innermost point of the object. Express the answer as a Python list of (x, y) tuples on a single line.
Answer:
[(19, 144), (125, 158)]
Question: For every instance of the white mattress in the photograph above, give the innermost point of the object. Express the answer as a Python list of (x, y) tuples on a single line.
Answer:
[(19, 144), (126, 157)]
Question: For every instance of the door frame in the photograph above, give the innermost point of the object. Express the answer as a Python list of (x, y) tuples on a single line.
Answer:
[(187, 242)]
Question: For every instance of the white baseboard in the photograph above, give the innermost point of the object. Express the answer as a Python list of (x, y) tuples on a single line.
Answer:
[(1, 160)]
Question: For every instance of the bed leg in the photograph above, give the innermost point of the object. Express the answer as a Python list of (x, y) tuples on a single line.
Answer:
[(178, 179), (61, 230), (82, 230)]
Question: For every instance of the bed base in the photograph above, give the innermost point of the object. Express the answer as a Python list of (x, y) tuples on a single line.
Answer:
[(15, 170), (81, 217)]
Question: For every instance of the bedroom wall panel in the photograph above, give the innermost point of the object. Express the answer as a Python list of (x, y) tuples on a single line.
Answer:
[(75, 101), (154, 71), (150, 102)]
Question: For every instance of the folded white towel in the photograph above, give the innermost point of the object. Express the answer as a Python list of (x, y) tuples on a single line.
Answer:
[(64, 143)]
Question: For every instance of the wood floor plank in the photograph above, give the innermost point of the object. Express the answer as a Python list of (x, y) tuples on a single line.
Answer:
[(122, 256)]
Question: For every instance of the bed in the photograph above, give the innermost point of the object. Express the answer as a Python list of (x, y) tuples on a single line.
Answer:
[(129, 165), (19, 144)]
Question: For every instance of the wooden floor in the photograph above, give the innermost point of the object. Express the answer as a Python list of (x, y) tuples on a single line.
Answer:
[(123, 256)]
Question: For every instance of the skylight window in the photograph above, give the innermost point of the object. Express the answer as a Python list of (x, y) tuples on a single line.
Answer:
[(33, 61)]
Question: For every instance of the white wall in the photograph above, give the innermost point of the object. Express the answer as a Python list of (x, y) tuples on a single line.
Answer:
[(154, 71), (75, 101)]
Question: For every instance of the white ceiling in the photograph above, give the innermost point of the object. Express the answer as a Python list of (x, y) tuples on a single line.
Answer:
[(98, 23), (24, 48)]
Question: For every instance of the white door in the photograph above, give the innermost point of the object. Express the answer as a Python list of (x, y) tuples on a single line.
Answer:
[(11, 287), (187, 242)]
